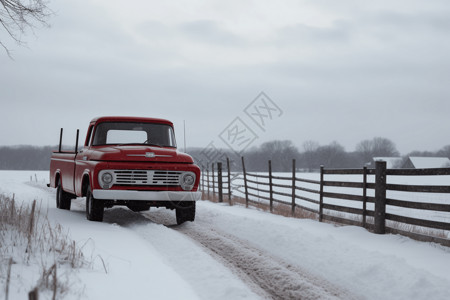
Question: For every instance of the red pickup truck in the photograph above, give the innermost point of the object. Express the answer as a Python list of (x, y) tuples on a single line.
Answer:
[(127, 161)]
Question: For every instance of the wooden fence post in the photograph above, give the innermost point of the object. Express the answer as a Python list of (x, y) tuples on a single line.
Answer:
[(220, 181), (229, 180), (203, 179), (213, 180), (270, 186), (364, 196), (321, 195), (293, 188), (33, 294), (207, 177), (245, 182), (380, 197)]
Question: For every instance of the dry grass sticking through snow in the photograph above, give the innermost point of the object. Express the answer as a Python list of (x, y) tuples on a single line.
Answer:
[(278, 208), (35, 254)]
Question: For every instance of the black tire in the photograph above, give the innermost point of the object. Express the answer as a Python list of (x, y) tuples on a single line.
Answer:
[(185, 211), (63, 199), (94, 207)]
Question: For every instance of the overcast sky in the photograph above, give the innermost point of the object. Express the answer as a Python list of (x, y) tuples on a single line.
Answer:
[(330, 70)]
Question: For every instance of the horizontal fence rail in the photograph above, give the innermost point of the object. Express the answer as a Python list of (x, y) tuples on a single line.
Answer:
[(359, 199)]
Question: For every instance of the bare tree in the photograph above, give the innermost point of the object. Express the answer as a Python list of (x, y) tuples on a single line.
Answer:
[(310, 146), (384, 147), (332, 155), (364, 148), (280, 152), (310, 155), (18, 15), (445, 151), (377, 147)]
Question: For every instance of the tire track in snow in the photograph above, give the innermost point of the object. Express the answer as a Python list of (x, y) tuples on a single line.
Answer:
[(278, 279), (208, 276)]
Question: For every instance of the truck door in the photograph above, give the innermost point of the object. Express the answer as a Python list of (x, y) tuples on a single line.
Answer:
[(81, 163)]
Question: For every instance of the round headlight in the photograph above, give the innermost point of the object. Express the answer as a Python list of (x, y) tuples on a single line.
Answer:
[(187, 181), (107, 178)]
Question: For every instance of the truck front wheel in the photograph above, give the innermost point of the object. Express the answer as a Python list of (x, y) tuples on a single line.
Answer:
[(94, 207), (185, 211), (63, 199)]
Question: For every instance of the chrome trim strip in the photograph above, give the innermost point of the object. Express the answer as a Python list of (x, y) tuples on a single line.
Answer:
[(146, 195), (149, 156)]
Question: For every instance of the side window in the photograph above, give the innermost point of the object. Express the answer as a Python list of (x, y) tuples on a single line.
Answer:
[(88, 136), (99, 137)]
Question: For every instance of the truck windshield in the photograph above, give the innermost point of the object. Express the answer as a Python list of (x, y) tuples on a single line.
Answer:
[(119, 133)]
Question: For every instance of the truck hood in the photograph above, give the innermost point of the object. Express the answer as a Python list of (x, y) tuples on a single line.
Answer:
[(138, 154)]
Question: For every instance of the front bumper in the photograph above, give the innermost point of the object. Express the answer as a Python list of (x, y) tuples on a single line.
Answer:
[(146, 195)]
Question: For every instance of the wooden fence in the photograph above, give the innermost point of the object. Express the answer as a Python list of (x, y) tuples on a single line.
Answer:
[(360, 202), (270, 188), (418, 205), (214, 181)]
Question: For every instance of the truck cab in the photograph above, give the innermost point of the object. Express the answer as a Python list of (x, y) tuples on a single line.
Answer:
[(127, 161)]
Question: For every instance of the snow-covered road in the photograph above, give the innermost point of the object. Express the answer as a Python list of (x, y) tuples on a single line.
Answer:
[(237, 253), (268, 276)]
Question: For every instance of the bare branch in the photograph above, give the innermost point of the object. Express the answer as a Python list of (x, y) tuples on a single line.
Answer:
[(6, 50), (16, 16)]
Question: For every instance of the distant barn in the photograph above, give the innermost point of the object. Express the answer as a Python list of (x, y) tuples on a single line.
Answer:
[(391, 162), (426, 162)]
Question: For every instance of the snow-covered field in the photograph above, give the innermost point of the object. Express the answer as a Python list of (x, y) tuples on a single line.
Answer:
[(231, 253)]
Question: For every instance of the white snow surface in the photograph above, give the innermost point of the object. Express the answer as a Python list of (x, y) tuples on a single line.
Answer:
[(147, 257)]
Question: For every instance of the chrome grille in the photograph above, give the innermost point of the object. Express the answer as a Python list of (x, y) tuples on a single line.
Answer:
[(143, 177)]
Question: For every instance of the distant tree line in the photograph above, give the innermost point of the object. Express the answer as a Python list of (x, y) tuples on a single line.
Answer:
[(311, 156), (308, 158), (25, 157)]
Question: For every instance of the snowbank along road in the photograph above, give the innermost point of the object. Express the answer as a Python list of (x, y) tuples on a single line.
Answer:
[(238, 253)]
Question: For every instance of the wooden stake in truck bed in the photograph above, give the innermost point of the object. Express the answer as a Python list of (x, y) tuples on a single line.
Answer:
[(127, 161)]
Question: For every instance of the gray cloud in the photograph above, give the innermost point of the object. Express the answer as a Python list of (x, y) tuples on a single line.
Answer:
[(369, 72), (210, 32)]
